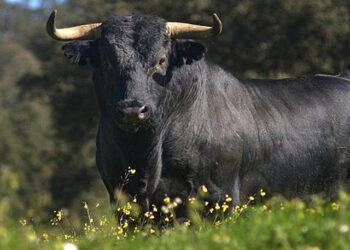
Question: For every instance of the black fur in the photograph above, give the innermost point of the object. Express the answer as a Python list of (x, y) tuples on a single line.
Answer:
[(206, 126)]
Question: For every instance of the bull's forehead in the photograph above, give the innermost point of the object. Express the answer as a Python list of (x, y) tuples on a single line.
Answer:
[(134, 37)]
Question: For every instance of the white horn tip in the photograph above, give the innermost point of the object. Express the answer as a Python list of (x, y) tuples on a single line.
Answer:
[(217, 27)]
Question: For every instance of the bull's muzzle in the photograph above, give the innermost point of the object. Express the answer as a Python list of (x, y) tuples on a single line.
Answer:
[(131, 114)]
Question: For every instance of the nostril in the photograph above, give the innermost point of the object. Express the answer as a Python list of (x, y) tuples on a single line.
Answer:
[(143, 112), (143, 109)]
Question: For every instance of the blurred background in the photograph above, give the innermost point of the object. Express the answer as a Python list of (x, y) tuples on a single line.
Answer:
[(48, 111)]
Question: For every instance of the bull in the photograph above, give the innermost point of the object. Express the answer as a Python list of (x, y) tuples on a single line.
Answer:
[(182, 121)]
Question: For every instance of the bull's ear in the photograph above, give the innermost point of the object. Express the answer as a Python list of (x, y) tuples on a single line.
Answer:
[(190, 51), (79, 52)]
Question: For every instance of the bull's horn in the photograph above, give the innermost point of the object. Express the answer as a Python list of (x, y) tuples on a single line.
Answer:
[(82, 32), (186, 30)]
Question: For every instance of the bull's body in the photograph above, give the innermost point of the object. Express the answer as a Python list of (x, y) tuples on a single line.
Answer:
[(206, 127), (236, 137)]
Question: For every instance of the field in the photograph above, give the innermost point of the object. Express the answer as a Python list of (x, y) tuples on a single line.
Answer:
[(273, 224)]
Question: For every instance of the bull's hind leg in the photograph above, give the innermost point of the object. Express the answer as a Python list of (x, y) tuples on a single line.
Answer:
[(343, 163), (236, 190)]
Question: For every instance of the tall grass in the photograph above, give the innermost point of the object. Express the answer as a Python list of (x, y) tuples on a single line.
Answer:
[(273, 224)]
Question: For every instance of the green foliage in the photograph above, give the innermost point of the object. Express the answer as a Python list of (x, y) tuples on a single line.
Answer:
[(278, 224), (25, 134), (272, 38)]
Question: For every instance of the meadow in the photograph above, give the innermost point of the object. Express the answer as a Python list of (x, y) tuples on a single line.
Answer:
[(272, 224)]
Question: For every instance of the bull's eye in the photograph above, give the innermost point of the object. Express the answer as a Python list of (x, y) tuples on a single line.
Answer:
[(161, 61)]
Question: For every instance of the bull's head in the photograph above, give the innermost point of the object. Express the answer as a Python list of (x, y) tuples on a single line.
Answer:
[(133, 57)]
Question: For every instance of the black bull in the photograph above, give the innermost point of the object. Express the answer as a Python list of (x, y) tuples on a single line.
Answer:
[(183, 122)]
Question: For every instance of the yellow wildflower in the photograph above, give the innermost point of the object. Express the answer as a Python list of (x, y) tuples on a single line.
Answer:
[(218, 223), (204, 189), (264, 208), (131, 171), (120, 230), (166, 200), (224, 207), (23, 222), (262, 193), (217, 206), (59, 215), (228, 198), (187, 223), (335, 206), (103, 221), (178, 200), (165, 209), (149, 215), (45, 236), (191, 200), (343, 228)]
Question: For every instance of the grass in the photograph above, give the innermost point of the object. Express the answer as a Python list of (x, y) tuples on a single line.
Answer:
[(275, 224)]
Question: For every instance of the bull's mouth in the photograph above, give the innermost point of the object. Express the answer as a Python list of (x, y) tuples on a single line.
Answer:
[(130, 118), (130, 128)]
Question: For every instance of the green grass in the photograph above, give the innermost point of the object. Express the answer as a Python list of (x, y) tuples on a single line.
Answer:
[(278, 224)]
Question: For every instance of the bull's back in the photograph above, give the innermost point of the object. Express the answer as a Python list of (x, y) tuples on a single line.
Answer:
[(309, 103)]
